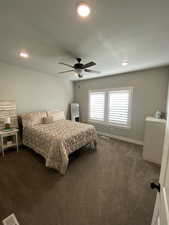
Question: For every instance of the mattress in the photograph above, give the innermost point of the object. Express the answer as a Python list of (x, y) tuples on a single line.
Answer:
[(57, 140)]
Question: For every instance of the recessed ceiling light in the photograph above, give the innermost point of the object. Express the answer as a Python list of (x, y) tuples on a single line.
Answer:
[(24, 54), (83, 9), (125, 62)]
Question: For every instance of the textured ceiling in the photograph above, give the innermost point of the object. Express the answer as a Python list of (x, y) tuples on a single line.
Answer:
[(51, 31)]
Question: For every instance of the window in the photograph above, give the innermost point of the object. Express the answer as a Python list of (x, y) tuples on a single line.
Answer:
[(111, 106), (118, 107), (97, 105)]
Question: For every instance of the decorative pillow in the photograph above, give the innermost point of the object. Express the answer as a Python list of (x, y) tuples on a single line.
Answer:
[(31, 119), (48, 119), (57, 115)]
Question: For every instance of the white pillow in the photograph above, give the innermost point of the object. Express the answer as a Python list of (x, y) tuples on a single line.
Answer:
[(48, 119), (31, 119), (57, 115)]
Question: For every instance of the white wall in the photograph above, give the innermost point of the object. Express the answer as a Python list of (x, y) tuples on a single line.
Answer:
[(149, 94), (34, 91)]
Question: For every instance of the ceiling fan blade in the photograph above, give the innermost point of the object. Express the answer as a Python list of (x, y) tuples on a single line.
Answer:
[(92, 71), (65, 64), (88, 65), (67, 71)]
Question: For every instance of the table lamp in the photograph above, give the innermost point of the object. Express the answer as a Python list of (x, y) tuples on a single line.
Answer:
[(7, 122)]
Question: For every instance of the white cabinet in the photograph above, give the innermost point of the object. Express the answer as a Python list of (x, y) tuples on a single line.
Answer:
[(153, 139)]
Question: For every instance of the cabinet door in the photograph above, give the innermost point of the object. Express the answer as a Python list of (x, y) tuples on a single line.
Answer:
[(153, 141)]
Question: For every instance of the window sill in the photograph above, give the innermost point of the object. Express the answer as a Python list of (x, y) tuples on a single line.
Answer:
[(110, 124)]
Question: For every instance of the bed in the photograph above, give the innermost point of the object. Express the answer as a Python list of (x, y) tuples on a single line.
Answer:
[(56, 140)]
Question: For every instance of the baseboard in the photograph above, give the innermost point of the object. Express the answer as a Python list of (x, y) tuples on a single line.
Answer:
[(121, 138)]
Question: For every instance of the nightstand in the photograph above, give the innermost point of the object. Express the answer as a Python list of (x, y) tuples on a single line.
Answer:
[(4, 135)]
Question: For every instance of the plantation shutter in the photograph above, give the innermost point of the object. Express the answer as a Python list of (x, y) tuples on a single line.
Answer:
[(96, 105), (118, 107)]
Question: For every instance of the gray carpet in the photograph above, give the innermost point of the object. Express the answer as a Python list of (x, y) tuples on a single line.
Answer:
[(107, 187)]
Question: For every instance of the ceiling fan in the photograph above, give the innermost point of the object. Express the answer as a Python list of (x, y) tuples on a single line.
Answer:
[(79, 68)]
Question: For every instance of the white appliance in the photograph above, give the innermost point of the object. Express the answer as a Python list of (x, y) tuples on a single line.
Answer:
[(153, 139), (75, 114)]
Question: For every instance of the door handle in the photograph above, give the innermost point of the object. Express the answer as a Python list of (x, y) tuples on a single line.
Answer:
[(154, 185)]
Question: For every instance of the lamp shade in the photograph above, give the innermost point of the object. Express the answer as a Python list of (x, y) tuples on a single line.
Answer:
[(8, 120)]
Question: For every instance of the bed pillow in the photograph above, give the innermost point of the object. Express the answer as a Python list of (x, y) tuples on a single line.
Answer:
[(48, 120), (32, 119), (56, 115)]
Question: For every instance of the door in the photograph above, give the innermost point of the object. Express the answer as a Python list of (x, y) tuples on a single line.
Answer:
[(161, 210)]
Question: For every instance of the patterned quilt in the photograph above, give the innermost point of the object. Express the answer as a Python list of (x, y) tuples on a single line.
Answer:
[(57, 140)]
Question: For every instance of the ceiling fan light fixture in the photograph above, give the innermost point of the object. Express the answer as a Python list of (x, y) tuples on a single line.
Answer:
[(83, 9), (78, 71), (78, 68)]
